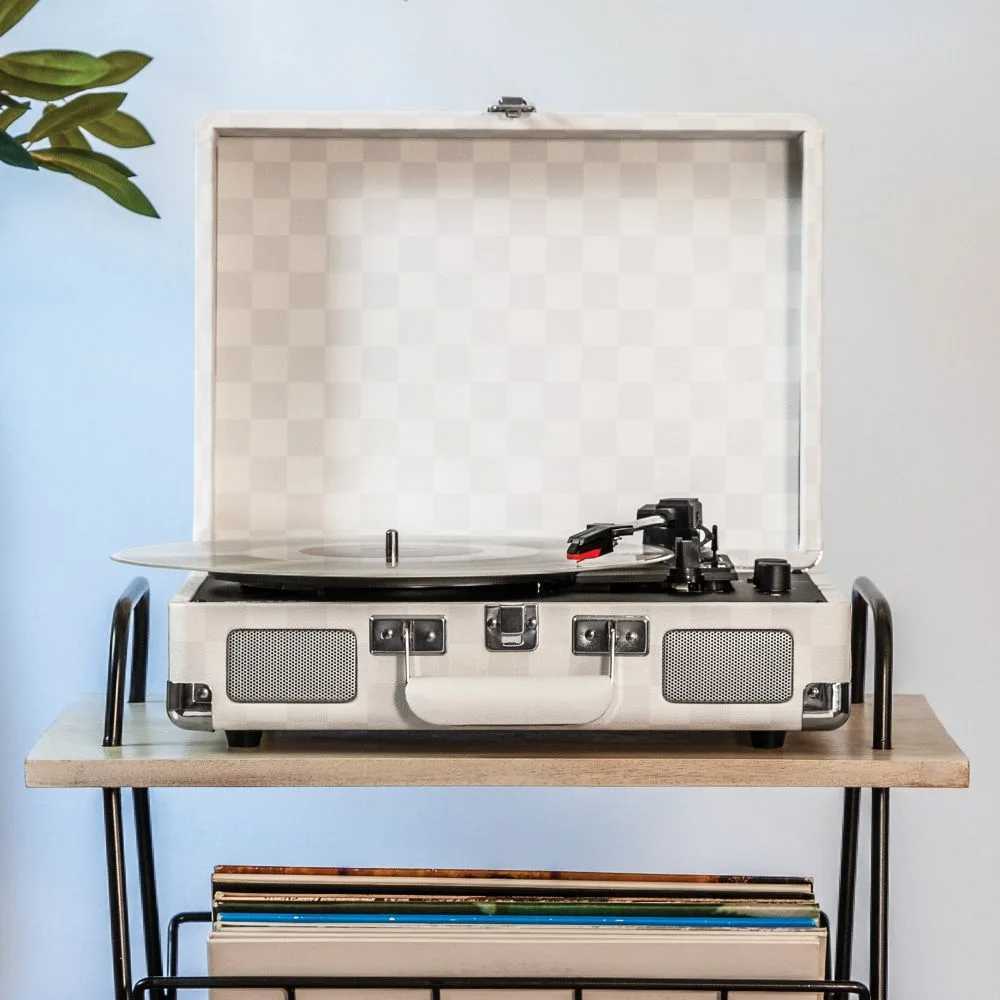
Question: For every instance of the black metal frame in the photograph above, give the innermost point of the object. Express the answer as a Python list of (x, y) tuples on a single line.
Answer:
[(131, 615), (291, 984)]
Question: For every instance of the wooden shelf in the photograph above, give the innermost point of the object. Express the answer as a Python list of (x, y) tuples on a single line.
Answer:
[(157, 754)]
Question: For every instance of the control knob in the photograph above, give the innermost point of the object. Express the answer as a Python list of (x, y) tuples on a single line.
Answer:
[(772, 576)]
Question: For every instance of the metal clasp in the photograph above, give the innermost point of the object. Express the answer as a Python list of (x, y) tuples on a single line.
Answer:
[(612, 646), (407, 672), (409, 636), (612, 635), (511, 626), (511, 107)]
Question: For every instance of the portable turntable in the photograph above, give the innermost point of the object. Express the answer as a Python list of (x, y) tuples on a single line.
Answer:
[(430, 351)]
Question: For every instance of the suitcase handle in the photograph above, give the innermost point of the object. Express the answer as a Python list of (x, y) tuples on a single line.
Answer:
[(509, 701)]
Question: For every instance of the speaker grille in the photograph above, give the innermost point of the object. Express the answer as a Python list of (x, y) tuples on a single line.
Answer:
[(727, 666), (266, 666)]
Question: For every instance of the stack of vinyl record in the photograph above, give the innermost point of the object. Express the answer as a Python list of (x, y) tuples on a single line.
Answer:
[(434, 922)]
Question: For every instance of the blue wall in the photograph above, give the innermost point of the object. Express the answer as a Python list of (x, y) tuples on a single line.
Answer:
[(96, 359)]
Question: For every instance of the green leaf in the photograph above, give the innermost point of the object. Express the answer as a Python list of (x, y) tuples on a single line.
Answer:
[(11, 11), (10, 115), (77, 112), (104, 158), (119, 129), (15, 154), (124, 65), (40, 91), (93, 169), (59, 67), (72, 138), (112, 162)]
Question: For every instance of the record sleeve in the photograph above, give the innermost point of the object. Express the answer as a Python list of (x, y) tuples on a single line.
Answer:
[(586, 952), (734, 906), (254, 877)]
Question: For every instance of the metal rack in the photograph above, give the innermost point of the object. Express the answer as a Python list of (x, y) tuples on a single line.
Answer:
[(129, 645)]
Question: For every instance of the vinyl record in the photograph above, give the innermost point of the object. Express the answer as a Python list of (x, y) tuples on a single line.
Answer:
[(360, 561)]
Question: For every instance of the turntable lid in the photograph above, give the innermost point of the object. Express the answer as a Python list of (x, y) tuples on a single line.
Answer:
[(508, 326)]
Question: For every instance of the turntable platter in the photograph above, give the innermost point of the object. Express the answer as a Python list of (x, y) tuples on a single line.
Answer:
[(422, 561)]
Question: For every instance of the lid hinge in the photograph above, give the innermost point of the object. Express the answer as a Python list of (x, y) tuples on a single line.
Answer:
[(511, 107)]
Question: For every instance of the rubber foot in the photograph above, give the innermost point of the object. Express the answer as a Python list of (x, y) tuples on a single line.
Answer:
[(243, 739), (767, 739)]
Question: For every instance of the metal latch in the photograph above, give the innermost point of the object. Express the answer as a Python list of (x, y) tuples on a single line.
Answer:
[(511, 626), (511, 107)]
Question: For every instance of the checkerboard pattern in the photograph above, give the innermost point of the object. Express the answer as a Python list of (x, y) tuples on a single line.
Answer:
[(506, 335)]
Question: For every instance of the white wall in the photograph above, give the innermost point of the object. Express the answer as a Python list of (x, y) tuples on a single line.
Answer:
[(96, 423)]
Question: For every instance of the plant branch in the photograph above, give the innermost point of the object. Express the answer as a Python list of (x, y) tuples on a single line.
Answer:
[(70, 85)]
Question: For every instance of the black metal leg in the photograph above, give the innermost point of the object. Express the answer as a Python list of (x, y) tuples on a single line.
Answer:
[(131, 607), (848, 880), (174, 943), (878, 984), (866, 596), (147, 885), (114, 843)]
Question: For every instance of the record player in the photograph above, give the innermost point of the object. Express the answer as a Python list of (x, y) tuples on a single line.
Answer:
[(430, 351)]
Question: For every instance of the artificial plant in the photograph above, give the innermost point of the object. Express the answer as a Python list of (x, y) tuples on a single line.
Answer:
[(56, 140)]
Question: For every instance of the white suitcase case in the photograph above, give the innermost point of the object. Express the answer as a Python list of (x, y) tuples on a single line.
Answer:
[(488, 326)]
